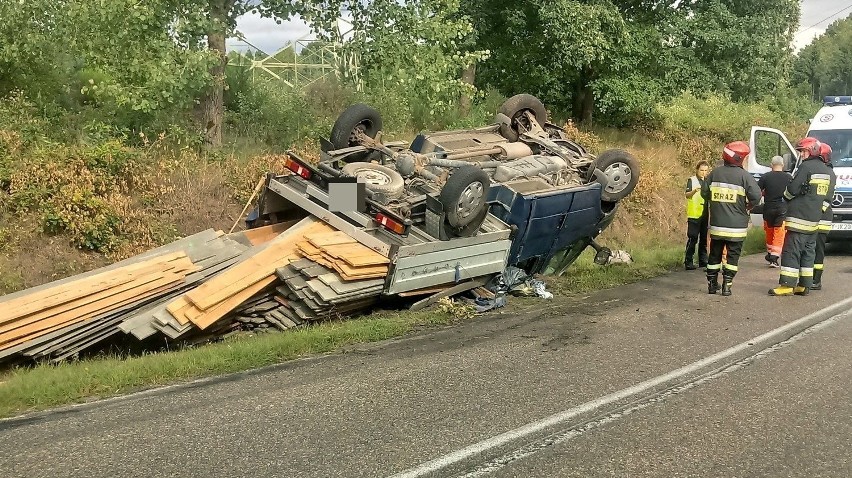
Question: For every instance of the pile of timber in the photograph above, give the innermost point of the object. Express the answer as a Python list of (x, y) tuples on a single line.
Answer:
[(336, 276), (200, 287)]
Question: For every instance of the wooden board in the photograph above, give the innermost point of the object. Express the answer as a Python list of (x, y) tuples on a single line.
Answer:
[(252, 270), (328, 239), (54, 296), (213, 314), (98, 300)]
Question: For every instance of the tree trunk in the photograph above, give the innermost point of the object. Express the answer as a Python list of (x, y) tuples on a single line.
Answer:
[(588, 106), (468, 77), (214, 102)]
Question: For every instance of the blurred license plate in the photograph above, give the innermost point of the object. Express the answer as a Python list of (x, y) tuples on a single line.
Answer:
[(841, 226)]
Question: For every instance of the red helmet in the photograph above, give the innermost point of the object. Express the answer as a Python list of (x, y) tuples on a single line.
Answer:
[(825, 152), (735, 153), (811, 145)]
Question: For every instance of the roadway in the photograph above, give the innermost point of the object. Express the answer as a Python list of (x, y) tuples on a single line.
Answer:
[(651, 379)]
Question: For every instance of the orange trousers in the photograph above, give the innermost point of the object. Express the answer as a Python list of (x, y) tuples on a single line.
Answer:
[(774, 238)]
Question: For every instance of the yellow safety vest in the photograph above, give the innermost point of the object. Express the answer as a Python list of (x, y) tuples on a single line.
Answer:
[(695, 204)]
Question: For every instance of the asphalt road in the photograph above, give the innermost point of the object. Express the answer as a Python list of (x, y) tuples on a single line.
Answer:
[(615, 384)]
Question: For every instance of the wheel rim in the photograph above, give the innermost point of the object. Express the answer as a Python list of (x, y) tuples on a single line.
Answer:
[(373, 177), (470, 199), (619, 176)]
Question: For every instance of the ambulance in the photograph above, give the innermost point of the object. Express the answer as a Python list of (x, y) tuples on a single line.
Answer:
[(833, 125)]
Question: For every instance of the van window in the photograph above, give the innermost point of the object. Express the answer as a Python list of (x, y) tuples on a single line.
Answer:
[(840, 141), (768, 144)]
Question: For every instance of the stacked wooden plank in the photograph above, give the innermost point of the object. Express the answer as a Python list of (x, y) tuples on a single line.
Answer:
[(217, 298), (208, 252), (200, 287), (265, 312), (40, 313), (349, 258), (336, 276)]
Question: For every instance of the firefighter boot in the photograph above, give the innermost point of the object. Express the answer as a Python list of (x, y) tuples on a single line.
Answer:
[(801, 290), (781, 290), (817, 280), (726, 287), (712, 283)]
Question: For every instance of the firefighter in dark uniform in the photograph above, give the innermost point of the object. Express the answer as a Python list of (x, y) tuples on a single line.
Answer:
[(805, 196), (825, 222), (729, 192)]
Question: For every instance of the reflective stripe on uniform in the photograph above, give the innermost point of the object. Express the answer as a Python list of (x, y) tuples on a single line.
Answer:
[(806, 271), (788, 195), (824, 225), (714, 267), (720, 231), (819, 267), (736, 187), (789, 272), (730, 267), (802, 225)]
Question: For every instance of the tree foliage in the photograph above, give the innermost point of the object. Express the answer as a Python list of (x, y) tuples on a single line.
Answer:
[(622, 57), (824, 67)]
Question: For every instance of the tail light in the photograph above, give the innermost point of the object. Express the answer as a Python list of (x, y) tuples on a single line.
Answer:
[(390, 224), (297, 168)]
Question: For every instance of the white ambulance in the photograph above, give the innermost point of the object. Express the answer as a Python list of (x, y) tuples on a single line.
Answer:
[(833, 125)]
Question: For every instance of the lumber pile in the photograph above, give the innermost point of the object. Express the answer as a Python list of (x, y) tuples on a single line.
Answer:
[(336, 275), (64, 317), (271, 278)]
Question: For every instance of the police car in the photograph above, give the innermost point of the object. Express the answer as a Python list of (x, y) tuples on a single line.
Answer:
[(833, 125)]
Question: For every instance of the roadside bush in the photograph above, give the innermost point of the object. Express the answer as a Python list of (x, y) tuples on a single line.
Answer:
[(74, 191)]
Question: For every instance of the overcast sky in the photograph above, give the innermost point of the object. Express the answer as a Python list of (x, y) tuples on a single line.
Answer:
[(269, 36)]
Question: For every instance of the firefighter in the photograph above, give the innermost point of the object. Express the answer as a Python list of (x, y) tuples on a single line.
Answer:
[(773, 184), (729, 192), (696, 218), (805, 195), (825, 222)]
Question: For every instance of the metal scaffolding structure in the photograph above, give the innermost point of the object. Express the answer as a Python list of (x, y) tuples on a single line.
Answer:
[(300, 62)]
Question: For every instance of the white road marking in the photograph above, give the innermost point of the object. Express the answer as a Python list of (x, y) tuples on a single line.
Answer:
[(563, 417)]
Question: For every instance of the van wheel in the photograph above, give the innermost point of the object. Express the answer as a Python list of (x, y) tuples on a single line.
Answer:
[(358, 117), (514, 108), (464, 195), (622, 172), (377, 178)]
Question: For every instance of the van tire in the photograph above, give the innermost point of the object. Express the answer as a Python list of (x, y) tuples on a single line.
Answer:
[(514, 109), (622, 172), (377, 178), (357, 117), (464, 195)]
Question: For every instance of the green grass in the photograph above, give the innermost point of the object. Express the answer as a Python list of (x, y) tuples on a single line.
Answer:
[(41, 387), (649, 260), (45, 386)]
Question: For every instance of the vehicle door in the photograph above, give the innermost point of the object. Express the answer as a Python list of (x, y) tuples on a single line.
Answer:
[(765, 144)]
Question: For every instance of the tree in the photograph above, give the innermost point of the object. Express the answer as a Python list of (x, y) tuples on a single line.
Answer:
[(619, 58), (824, 67)]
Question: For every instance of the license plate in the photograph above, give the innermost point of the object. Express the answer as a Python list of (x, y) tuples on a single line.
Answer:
[(841, 226)]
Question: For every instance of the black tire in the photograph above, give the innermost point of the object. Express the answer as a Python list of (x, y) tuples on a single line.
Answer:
[(464, 196), (622, 171), (377, 178), (514, 109), (357, 117)]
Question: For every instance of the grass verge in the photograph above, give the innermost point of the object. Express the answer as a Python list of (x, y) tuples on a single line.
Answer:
[(27, 389)]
